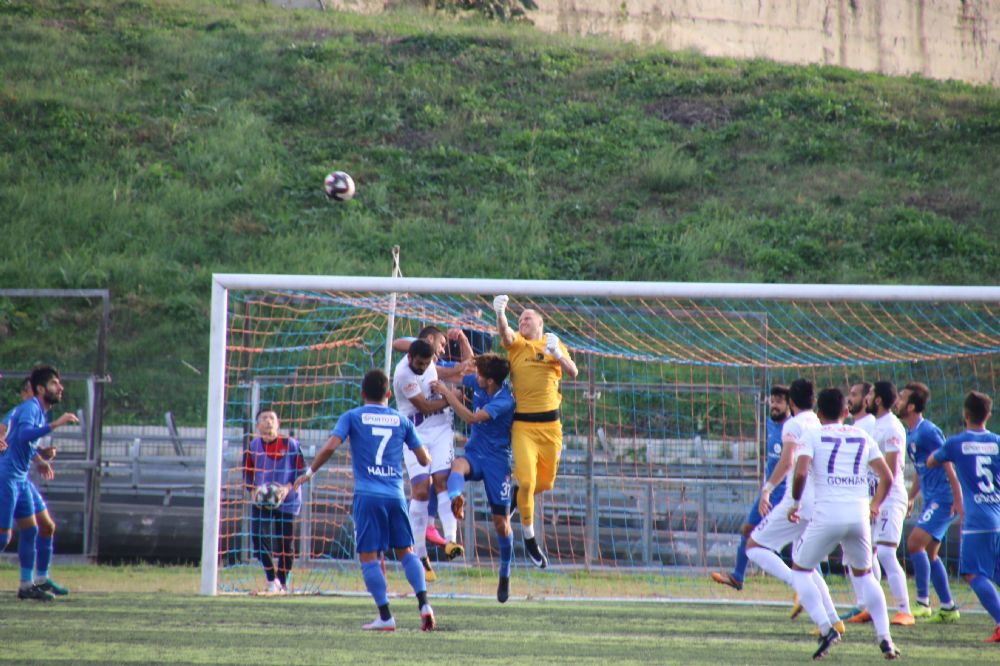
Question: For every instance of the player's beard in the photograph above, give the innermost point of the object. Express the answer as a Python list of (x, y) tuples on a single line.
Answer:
[(871, 408), (854, 411), (418, 372), (777, 416), (52, 397)]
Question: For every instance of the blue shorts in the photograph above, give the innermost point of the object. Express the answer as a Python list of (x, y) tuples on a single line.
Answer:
[(381, 523), (753, 516), (936, 519), (495, 477), (980, 555), (17, 501)]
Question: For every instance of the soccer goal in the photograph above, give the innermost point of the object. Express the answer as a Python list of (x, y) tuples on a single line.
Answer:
[(663, 427)]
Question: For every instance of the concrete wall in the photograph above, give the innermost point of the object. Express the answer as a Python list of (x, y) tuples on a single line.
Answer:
[(941, 39)]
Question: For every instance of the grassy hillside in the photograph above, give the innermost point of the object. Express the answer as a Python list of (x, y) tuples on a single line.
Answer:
[(146, 144)]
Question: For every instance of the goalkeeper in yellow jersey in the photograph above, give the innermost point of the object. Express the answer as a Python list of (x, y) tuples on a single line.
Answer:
[(537, 363)]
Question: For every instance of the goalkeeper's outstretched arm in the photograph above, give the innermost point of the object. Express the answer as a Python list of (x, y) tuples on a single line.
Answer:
[(504, 330)]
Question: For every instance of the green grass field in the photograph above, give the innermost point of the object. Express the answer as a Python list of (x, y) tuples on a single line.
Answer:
[(151, 615)]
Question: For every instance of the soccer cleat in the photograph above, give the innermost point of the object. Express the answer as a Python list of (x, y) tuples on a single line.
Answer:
[(503, 589), (796, 609), (429, 574), (427, 622), (727, 579), (453, 550), (50, 585), (839, 626), (536, 556), (458, 507), (861, 618), (847, 615), (34, 592), (433, 536), (889, 651), (902, 619), (273, 587), (995, 638), (381, 625), (921, 610), (945, 616), (826, 642)]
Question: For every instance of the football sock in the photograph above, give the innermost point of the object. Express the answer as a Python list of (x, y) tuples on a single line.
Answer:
[(529, 531), (26, 552), (421, 599), (432, 508), (876, 567), (43, 556), (375, 583), (414, 571), (896, 577), (859, 591), (506, 554), (987, 595), (875, 603), (418, 523), (824, 593), (939, 576), (383, 612), (740, 570), (770, 562), (456, 484), (921, 573), (810, 598), (448, 520)]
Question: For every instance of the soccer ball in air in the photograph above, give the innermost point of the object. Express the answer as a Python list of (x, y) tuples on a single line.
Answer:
[(339, 186), (267, 496)]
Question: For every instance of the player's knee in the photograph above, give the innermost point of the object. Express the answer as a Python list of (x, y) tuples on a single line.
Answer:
[(502, 525), (4, 538), (46, 527), (746, 529)]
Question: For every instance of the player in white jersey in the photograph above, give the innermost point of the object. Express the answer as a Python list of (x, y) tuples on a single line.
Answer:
[(836, 456), (430, 413), (857, 409), (887, 531), (775, 531)]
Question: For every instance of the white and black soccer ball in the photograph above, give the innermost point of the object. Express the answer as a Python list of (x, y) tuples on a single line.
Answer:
[(267, 496), (339, 186)]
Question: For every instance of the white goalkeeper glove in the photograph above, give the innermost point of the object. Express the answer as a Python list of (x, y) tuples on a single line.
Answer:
[(500, 304), (552, 345)]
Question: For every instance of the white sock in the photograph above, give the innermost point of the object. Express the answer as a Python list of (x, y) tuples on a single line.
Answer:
[(875, 603), (529, 531), (448, 520), (418, 523), (876, 568), (824, 592), (770, 562), (811, 599), (859, 591), (896, 577)]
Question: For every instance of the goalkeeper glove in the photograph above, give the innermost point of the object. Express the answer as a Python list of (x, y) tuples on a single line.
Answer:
[(500, 304), (552, 345)]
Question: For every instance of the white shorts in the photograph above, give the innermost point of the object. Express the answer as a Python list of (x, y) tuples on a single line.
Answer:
[(888, 527), (440, 444), (819, 540), (775, 531)]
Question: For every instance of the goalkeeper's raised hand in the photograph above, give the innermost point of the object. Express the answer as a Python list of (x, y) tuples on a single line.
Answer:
[(552, 345), (500, 304)]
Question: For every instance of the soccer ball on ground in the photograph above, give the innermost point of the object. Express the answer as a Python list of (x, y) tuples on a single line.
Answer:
[(267, 496), (339, 186)]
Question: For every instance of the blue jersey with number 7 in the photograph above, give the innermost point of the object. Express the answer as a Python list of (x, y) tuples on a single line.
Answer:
[(377, 435), (976, 456)]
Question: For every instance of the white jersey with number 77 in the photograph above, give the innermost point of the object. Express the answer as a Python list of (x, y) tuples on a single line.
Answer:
[(840, 457)]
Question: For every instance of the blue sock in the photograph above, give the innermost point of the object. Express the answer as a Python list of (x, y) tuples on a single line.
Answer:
[(987, 594), (432, 503), (921, 573), (506, 554), (414, 571), (375, 582), (26, 552), (740, 570), (939, 576), (43, 555), (456, 484)]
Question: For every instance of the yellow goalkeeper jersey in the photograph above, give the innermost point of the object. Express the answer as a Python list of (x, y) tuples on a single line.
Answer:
[(534, 375)]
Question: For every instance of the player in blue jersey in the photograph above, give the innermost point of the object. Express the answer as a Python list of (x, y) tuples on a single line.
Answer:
[(377, 435), (29, 423), (976, 456), (487, 453), (942, 504), (778, 412), (271, 458)]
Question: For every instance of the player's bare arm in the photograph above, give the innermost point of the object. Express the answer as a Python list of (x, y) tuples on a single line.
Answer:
[(455, 334), (455, 399), (798, 485), (912, 497), (423, 456), (957, 508), (788, 445), (428, 407), (553, 348), (885, 482), (65, 419), (324, 455)]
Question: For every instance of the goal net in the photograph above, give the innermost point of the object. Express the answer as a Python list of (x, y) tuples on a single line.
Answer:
[(663, 428)]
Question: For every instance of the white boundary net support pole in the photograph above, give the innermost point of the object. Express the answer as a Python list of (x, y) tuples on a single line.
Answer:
[(213, 439), (390, 332)]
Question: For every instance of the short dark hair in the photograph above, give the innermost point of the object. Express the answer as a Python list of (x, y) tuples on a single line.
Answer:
[(866, 387), (800, 392), (886, 390), (493, 366), (41, 376), (920, 395), (375, 385), (830, 403), (978, 405), (264, 410), (428, 331), (780, 390), (24, 383), (420, 348)]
